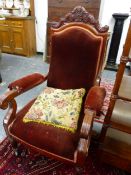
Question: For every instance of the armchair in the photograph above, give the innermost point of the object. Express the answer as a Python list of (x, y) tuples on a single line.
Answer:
[(76, 53)]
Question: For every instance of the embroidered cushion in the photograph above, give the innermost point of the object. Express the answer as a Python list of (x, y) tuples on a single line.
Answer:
[(60, 108)]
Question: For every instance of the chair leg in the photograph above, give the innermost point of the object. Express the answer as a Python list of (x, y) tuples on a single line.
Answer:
[(79, 170), (17, 149), (17, 152), (13, 143), (15, 146)]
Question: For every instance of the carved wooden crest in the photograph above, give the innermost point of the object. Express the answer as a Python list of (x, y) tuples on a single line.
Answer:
[(80, 14)]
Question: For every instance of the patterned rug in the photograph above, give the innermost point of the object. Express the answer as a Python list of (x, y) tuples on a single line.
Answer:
[(34, 164), (29, 163)]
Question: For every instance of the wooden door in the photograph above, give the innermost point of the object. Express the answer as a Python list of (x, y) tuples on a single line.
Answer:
[(5, 39), (18, 44)]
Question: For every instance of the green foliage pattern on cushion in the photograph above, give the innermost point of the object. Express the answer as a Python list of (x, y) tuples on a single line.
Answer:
[(60, 108)]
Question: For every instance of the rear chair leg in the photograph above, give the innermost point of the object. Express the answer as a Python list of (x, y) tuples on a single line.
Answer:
[(15, 146), (79, 170)]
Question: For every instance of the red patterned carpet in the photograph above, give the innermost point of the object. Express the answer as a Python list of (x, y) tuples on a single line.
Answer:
[(34, 164)]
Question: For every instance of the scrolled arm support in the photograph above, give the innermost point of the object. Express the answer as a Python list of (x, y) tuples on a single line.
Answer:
[(82, 151), (10, 113), (20, 86), (93, 104), (87, 123), (85, 135), (7, 97)]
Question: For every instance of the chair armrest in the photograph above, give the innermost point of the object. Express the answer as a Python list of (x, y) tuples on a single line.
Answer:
[(87, 123), (27, 82), (20, 86), (95, 98)]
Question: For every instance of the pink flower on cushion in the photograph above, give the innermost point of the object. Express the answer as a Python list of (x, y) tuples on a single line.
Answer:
[(59, 103), (73, 125), (34, 114)]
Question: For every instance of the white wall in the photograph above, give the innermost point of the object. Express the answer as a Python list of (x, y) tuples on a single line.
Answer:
[(108, 7), (41, 19)]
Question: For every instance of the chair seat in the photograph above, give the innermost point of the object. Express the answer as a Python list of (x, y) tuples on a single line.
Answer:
[(33, 133)]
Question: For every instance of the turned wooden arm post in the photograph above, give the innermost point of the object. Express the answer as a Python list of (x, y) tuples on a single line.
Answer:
[(85, 136), (10, 115), (87, 123), (93, 104), (7, 101)]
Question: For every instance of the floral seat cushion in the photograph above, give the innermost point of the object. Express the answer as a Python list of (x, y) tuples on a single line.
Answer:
[(60, 108)]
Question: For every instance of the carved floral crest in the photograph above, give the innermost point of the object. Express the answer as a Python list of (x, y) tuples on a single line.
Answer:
[(80, 14)]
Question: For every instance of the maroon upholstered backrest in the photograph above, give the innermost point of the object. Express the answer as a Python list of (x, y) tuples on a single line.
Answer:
[(75, 57)]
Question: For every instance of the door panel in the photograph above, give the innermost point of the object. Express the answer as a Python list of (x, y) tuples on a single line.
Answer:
[(18, 41), (5, 39)]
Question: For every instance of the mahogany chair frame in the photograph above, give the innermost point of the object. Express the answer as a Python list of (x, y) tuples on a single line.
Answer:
[(93, 102)]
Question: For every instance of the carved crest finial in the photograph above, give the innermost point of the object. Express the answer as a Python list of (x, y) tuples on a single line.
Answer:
[(80, 14)]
